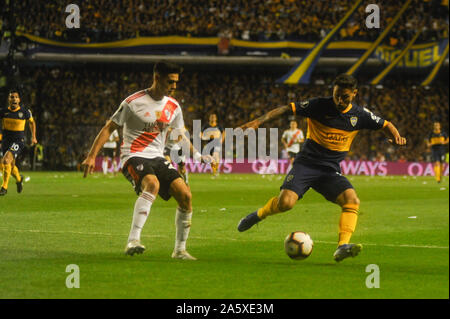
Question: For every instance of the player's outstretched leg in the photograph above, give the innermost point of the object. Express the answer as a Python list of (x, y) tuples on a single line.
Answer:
[(20, 184), (284, 202), (347, 250), (183, 218), (19, 178), (349, 203)]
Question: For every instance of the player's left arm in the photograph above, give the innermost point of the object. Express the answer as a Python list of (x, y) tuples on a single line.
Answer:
[(390, 130), (32, 126)]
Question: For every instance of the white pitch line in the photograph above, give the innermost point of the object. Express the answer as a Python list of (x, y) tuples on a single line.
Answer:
[(201, 237)]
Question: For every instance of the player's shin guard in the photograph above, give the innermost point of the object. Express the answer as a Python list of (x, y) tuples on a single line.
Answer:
[(271, 208), (347, 222), (141, 212), (6, 175), (15, 173), (183, 226)]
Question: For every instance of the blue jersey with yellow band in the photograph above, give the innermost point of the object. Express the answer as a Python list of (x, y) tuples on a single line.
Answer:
[(437, 141), (13, 122), (331, 132)]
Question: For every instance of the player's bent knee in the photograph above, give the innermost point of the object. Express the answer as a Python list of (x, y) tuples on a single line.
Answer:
[(285, 204), (150, 184)]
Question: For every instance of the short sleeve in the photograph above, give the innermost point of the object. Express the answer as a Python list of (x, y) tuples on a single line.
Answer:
[(370, 121), (178, 122), (28, 114), (304, 108), (122, 114)]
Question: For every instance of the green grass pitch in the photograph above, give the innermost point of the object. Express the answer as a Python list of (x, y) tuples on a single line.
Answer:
[(63, 219)]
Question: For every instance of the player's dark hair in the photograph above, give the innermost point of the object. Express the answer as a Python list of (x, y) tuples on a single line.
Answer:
[(14, 90), (345, 81), (165, 68)]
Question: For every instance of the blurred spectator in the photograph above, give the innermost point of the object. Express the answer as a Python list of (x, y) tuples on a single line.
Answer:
[(271, 20)]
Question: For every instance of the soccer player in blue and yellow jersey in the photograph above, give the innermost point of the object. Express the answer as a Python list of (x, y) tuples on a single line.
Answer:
[(215, 134), (437, 141), (13, 141), (333, 122)]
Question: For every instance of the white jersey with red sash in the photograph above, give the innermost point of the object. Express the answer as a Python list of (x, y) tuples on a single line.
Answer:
[(145, 124), (293, 138)]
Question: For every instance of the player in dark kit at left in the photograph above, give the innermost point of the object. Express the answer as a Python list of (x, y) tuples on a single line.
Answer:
[(13, 120)]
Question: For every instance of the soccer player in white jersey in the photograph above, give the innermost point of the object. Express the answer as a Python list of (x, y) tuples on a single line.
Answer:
[(146, 117), (292, 139), (109, 152)]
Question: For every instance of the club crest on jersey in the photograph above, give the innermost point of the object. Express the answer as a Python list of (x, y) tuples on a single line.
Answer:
[(353, 120), (20, 114), (140, 167), (304, 104), (289, 178)]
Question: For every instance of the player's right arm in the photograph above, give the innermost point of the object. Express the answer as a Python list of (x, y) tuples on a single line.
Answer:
[(100, 140), (269, 116)]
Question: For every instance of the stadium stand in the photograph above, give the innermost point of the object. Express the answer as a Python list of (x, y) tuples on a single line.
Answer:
[(72, 103)]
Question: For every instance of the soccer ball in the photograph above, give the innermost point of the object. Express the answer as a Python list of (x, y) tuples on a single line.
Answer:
[(298, 245)]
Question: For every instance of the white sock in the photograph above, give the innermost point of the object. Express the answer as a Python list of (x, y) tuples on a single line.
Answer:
[(141, 212), (183, 226), (105, 166)]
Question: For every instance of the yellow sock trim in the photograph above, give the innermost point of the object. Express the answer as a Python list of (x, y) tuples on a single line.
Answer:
[(271, 208), (6, 175), (347, 223), (15, 173)]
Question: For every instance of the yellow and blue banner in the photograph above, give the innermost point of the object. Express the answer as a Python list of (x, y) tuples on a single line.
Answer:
[(377, 42), (301, 73), (389, 68), (436, 68), (418, 56)]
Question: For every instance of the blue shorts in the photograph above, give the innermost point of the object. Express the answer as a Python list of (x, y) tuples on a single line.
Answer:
[(323, 180), (438, 155), (13, 145)]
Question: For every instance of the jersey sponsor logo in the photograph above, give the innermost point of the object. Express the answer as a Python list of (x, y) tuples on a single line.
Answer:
[(289, 178), (336, 137), (353, 120)]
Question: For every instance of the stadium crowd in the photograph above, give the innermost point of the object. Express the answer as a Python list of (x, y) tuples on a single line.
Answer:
[(71, 104), (272, 20)]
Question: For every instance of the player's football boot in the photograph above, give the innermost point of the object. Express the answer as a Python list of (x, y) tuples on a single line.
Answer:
[(248, 222), (347, 250), (134, 247), (3, 191), (182, 254), (20, 185)]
